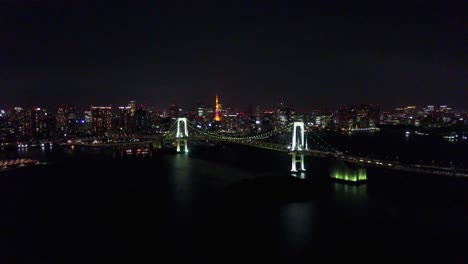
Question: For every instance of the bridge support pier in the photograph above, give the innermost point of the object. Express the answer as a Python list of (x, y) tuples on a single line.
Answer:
[(184, 144), (295, 159), (182, 133), (346, 172)]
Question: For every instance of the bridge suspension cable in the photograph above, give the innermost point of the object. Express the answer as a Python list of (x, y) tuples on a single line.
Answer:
[(317, 144), (328, 147), (320, 144), (258, 136)]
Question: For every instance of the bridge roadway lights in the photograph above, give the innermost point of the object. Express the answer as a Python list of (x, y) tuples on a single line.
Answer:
[(294, 160)]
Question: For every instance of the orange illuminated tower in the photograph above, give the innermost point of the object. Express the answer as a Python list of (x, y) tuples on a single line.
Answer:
[(216, 117)]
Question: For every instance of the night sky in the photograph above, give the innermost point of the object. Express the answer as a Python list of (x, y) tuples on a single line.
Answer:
[(329, 53)]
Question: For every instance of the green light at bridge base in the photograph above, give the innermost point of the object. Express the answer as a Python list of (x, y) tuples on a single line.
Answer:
[(352, 176), (343, 172)]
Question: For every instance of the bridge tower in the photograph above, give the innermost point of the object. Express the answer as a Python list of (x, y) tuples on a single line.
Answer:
[(298, 146), (182, 133)]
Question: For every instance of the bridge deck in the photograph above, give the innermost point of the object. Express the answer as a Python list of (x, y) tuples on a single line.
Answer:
[(366, 162)]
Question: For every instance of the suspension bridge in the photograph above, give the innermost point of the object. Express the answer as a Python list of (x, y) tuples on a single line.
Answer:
[(298, 147), (302, 141)]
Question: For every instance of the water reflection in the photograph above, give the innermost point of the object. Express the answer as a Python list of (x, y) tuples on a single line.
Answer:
[(181, 194), (300, 175), (298, 227), (26, 153), (181, 180), (350, 196)]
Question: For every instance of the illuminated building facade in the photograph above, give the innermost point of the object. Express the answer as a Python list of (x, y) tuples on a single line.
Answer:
[(125, 118), (102, 119), (39, 122), (23, 121), (132, 107), (141, 120), (88, 121), (66, 120), (358, 117)]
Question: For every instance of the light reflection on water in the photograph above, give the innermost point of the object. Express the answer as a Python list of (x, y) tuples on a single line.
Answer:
[(348, 195), (181, 180), (294, 227), (181, 192), (298, 227), (302, 224), (300, 175), (31, 153)]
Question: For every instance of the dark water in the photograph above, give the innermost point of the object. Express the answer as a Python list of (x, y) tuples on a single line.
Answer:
[(223, 204)]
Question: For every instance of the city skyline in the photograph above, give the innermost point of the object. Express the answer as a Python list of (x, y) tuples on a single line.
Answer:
[(288, 130), (212, 104), (305, 55)]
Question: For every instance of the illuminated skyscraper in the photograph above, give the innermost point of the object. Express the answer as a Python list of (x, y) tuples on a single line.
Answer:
[(39, 122), (66, 119), (132, 106), (88, 118), (125, 122), (102, 117), (217, 110)]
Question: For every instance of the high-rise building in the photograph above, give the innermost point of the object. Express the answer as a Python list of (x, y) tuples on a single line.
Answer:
[(444, 109), (72, 120), (141, 120), (88, 119), (258, 113), (200, 110), (373, 114), (61, 120), (429, 108), (174, 111), (132, 106), (39, 122), (125, 119), (358, 116), (102, 119), (23, 122), (410, 110), (248, 110), (66, 119), (284, 114)]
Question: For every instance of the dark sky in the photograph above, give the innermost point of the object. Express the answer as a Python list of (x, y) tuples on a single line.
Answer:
[(328, 53)]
